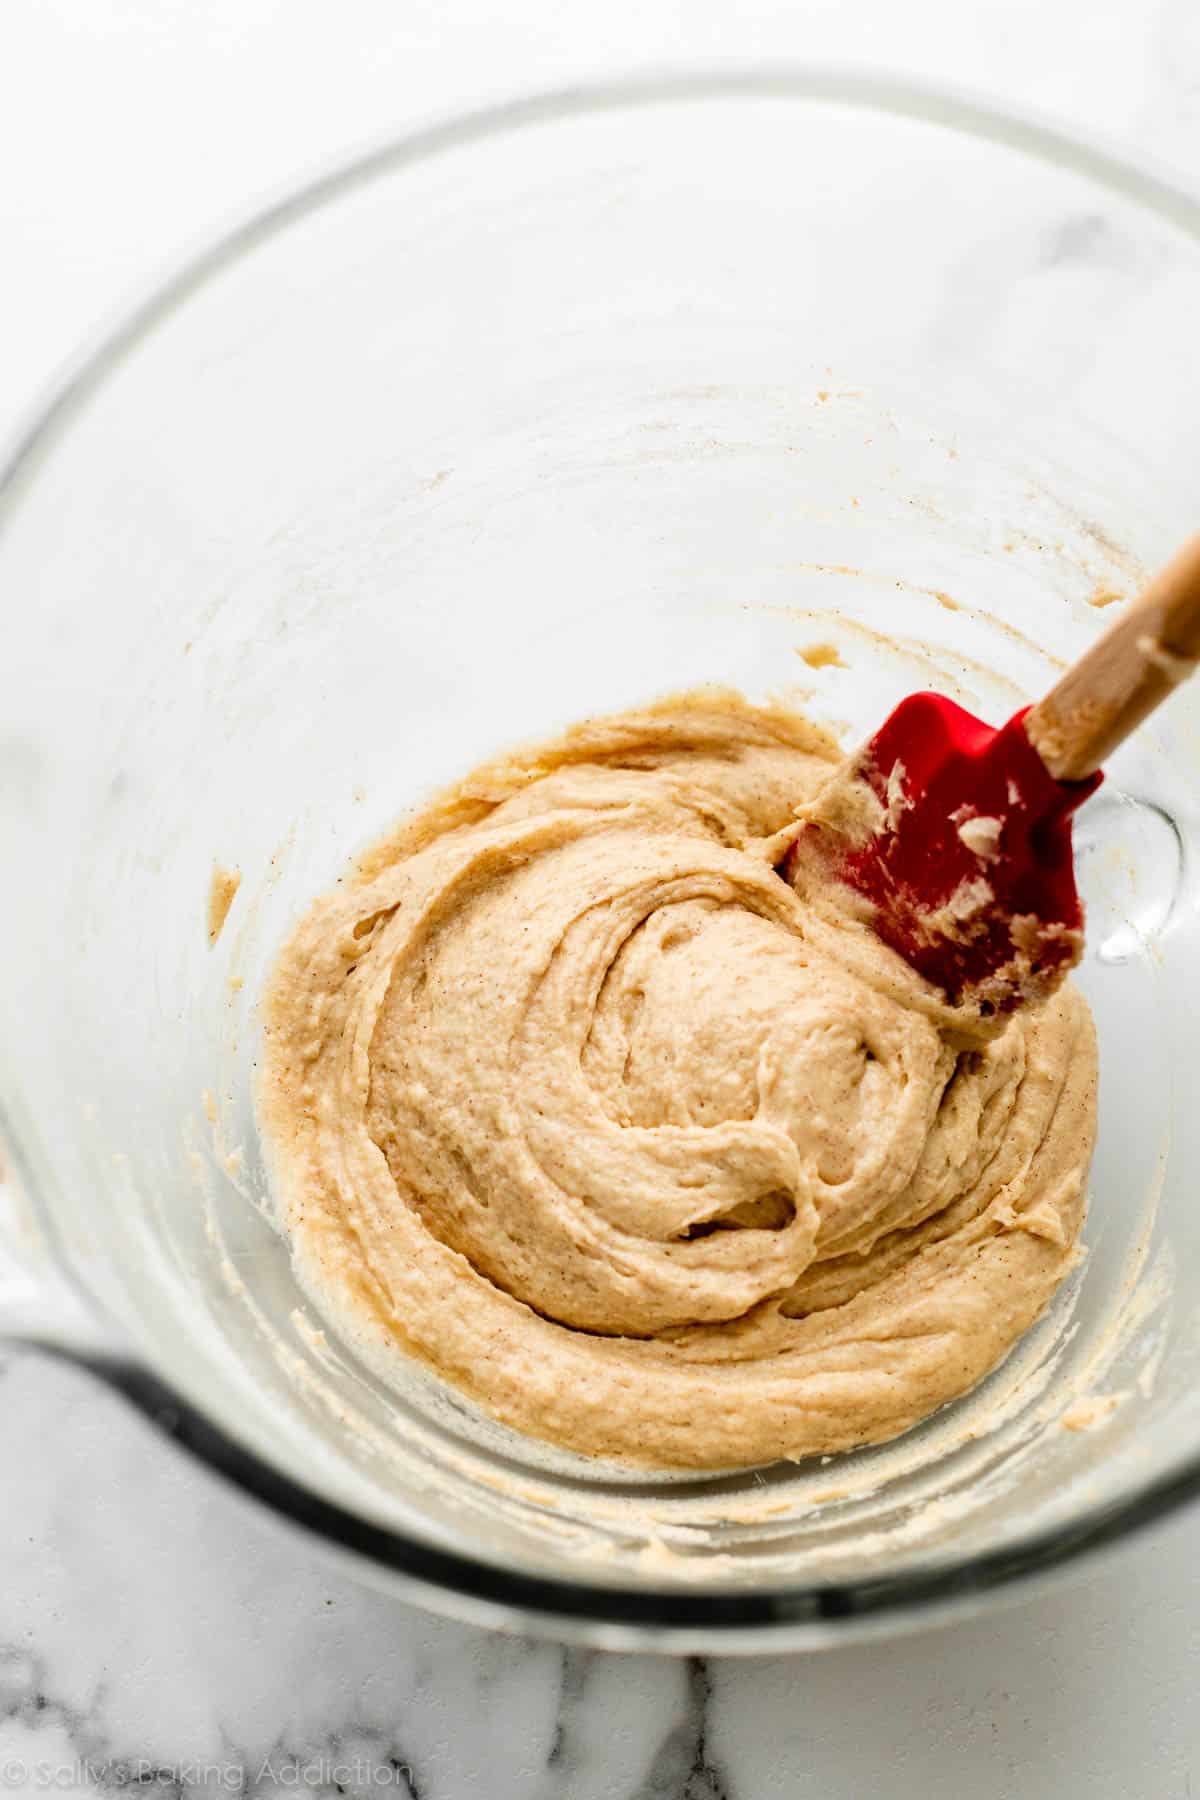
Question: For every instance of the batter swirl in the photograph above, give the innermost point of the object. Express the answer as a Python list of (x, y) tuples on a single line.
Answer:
[(569, 1095)]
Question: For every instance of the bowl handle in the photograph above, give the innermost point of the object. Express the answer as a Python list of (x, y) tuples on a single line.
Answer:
[(41, 1305)]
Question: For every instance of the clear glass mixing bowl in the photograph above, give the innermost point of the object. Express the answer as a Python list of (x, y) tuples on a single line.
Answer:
[(539, 413)]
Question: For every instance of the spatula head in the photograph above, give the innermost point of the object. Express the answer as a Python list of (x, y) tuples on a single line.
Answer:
[(964, 852)]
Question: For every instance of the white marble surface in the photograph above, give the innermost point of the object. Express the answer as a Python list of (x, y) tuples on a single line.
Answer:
[(152, 1629)]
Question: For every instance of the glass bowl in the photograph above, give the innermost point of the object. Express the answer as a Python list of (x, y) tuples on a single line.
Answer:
[(538, 413)]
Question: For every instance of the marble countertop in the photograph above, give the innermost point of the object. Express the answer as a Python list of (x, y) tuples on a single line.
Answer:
[(154, 1630)]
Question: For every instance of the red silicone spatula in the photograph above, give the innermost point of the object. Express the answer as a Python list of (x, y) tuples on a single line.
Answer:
[(966, 859)]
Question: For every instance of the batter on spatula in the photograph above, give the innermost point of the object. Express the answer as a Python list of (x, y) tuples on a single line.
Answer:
[(568, 1094)]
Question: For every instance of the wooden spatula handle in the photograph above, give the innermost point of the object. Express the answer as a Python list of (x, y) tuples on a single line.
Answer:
[(1143, 657)]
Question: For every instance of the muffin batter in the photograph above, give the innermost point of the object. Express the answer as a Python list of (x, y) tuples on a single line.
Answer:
[(570, 1095)]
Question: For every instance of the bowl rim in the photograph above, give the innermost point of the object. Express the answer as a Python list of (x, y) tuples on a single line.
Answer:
[(678, 1618)]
